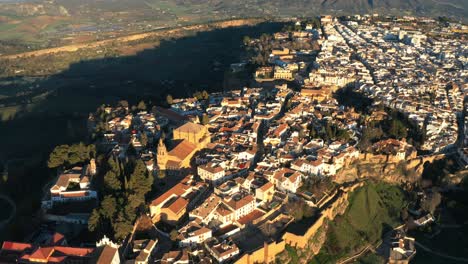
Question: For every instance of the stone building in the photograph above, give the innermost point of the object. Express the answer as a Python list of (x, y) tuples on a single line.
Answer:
[(187, 140)]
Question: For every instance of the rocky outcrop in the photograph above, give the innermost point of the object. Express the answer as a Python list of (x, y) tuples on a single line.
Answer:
[(317, 241), (308, 243), (385, 168)]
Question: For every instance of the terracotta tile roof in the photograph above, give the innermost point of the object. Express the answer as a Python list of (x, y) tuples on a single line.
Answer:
[(207, 207), (182, 150), (250, 217), (267, 186), (14, 246), (173, 164), (235, 205), (223, 210), (170, 114), (75, 194), (190, 127), (107, 255), (177, 190), (74, 251), (57, 238), (180, 256), (178, 205), (212, 168), (280, 129), (42, 253)]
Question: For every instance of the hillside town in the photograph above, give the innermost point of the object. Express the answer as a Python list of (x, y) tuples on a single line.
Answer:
[(236, 176)]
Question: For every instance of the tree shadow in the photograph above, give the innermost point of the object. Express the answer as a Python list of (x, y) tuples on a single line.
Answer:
[(177, 67)]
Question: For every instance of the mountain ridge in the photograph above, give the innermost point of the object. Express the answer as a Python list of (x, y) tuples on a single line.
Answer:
[(451, 8)]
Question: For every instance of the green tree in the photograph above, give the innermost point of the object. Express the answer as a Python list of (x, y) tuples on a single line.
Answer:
[(141, 106), (246, 40), (198, 95), (169, 99), (123, 103), (109, 207), (140, 181), (173, 235), (94, 220), (65, 155), (205, 119), (397, 129), (122, 227), (205, 95), (58, 156), (112, 182)]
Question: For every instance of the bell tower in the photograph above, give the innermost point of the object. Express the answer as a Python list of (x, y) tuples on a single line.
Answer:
[(162, 155)]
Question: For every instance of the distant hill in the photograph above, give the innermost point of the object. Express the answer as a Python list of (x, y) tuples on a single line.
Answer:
[(37, 24), (298, 7), (192, 8)]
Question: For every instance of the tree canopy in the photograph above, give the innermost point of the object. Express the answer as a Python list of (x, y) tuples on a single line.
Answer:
[(66, 155), (124, 189)]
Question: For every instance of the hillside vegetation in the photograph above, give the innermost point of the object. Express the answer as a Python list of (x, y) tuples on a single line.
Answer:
[(373, 210), (29, 24)]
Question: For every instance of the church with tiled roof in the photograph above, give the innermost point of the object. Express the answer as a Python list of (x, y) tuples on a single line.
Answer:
[(187, 139)]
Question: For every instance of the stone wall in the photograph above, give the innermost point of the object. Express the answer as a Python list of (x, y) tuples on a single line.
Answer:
[(265, 254), (313, 238), (387, 168)]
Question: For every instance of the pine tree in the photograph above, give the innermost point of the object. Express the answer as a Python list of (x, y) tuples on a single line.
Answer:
[(140, 181), (58, 156), (169, 99), (173, 235), (94, 220), (205, 119), (205, 95), (109, 207), (141, 106), (122, 227), (112, 180)]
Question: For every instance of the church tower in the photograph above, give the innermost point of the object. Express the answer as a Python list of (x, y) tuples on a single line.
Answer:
[(92, 167), (162, 155)]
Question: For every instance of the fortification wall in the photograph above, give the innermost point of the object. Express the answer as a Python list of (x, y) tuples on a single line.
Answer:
[(267, 253)]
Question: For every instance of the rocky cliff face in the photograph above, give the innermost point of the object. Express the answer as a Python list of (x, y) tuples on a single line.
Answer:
[(385, 168)]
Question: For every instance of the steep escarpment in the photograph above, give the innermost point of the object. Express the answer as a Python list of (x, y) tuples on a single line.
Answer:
[(372, 210), (387, 168), (174, 33)]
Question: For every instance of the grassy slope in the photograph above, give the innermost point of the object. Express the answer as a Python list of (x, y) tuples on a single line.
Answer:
[(373, 210)]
